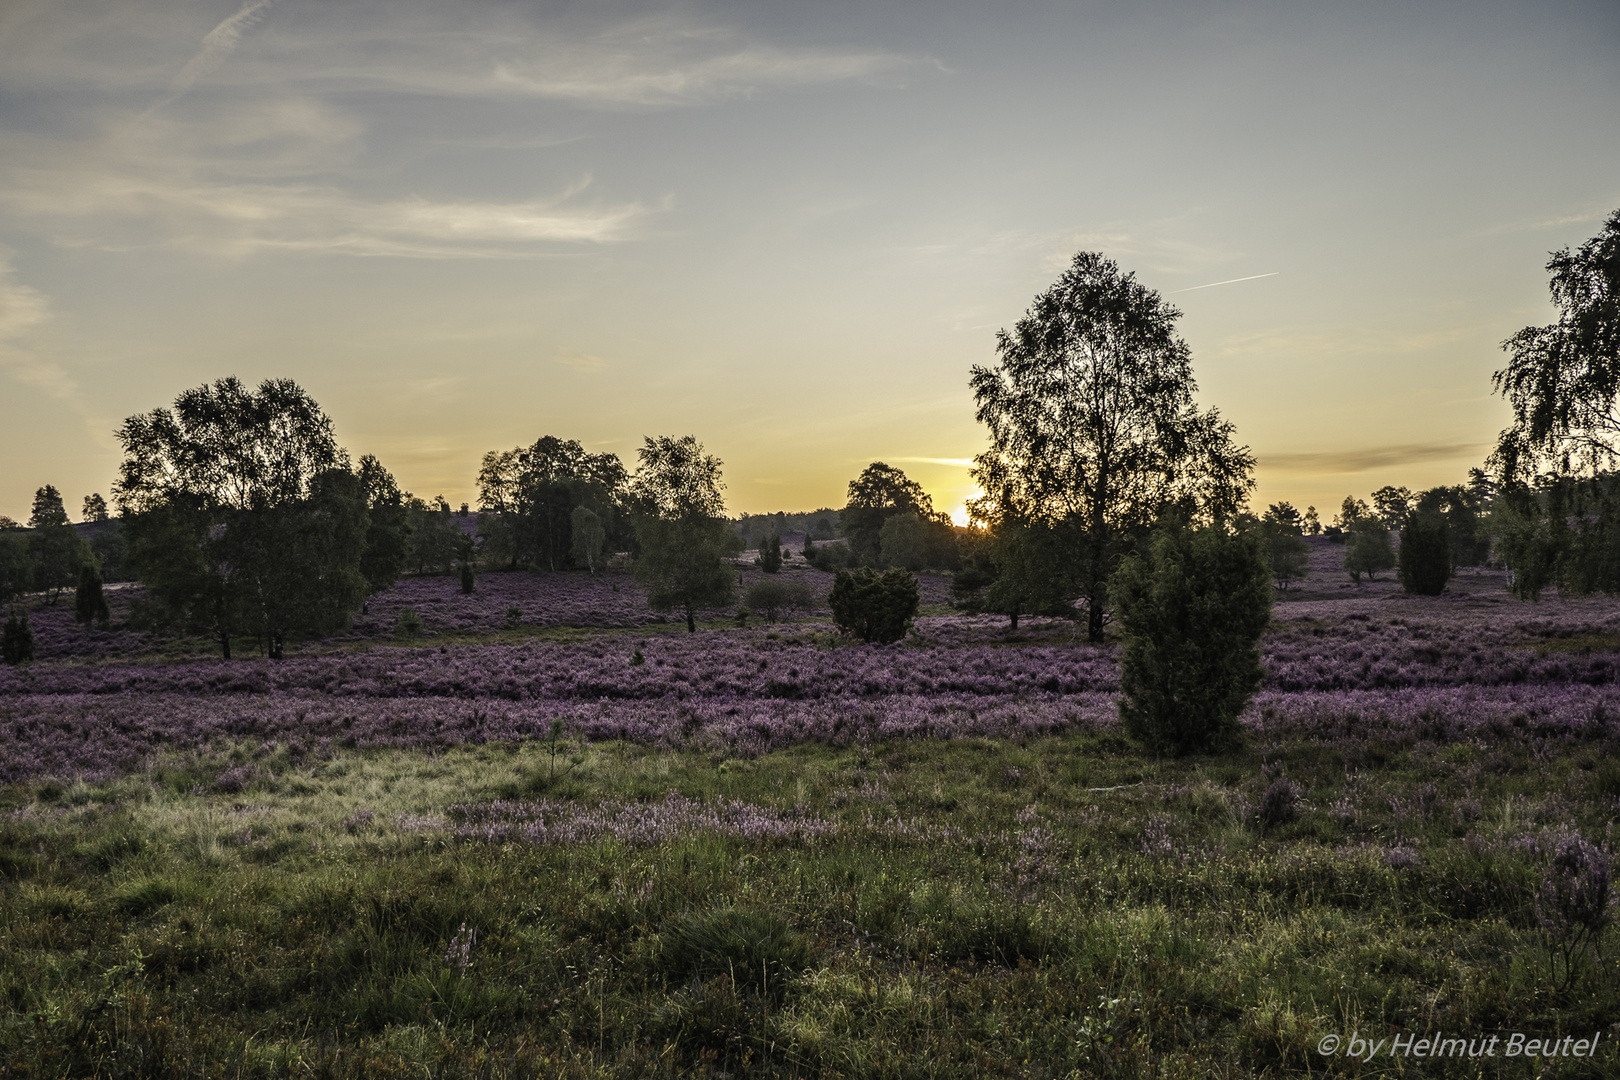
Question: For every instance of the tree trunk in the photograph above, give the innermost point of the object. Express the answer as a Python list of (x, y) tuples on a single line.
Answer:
[(225, 642), (691, 623), (1094, 617), (1012, 617)]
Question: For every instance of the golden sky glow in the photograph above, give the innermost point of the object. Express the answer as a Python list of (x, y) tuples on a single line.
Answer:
[(789, 230)]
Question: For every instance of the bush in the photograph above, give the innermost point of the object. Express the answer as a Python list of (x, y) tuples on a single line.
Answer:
[(408, 625), (776, 598), (831, 557), (17, 640), (1368, 550), (1286, 552), (1425, 555), (874, 608), (770, 554), (1191, 612), (88, 601)]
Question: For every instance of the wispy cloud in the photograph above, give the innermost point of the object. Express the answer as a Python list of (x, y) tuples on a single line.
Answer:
[(1334, 462), (22, 310), (583, 362), (1228, 281), (958, 461), (150, 187), (219, 44)]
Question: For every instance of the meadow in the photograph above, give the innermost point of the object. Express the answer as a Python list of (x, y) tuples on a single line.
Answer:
[(575, 840)]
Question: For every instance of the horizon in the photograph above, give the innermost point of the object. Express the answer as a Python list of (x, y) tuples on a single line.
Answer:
[(789, 233)]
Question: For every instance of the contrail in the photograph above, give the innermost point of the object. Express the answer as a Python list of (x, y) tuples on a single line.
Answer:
[(1228, 281), (220, 43)]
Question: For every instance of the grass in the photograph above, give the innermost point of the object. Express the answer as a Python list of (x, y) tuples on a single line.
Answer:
[(1066, 906)]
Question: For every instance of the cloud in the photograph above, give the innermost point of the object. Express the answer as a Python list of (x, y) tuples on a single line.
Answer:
[(1370, 458), (961, 462), (220, 43), (643, 76), (22, 310), (582, 362), (248, 193)]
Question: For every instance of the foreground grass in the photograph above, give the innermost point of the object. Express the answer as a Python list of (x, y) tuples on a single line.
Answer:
[(971, 908)]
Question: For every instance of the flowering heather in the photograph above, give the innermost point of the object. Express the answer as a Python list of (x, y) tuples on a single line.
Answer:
[(101, 735), (676, 667)]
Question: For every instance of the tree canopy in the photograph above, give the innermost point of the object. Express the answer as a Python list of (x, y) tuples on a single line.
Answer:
[(1562, 379), (527, 497), (880, 493), (1093, 424), (243, 514)]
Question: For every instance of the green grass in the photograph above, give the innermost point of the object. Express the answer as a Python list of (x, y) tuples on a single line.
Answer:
[(1062, 907)]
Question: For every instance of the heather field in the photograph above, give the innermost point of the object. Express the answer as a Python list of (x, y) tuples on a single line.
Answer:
[(558, 835)]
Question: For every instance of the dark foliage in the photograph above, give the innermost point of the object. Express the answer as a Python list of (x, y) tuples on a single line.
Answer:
[(874, 608), (1191, 611), (879, 493), (88, 601), (1425, 555), (1561, 380), (17, 640), (770, 554)]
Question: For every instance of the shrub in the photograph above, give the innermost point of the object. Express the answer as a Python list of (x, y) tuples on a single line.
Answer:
[(408, 625), (1425, 555), (1191, 612), (766, 598), (831, 557), (1368, 550), (1279, 805), (874, 608), (1573, 902), (88, 601), (770, 554), (17, 640), (773, 599)]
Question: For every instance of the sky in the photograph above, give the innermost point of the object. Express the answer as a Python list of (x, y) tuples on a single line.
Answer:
[(788, 229)]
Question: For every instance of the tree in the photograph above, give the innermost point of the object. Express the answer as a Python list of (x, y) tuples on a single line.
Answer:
[(682, 564), (54, 548), (588, 537), (1093, 425), (388, 526), (242, 514), (1191, 612), (1284, 515), (770, 554), (431, 542), (879, 493), (528, 495), (873, 608), (1351, 511), (682, 532), (1285, 552), (676, 479), (95, 508), (1561, 380), (915, 543), (16, 570), (1392, 504), (1313, 523), (1368, 550), (1425, 555)]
